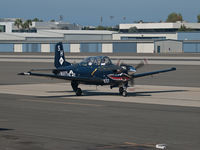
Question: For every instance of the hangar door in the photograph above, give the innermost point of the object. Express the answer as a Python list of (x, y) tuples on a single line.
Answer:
[(124, 47)]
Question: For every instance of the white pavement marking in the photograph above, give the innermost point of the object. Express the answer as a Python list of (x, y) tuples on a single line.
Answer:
[(165, 60), (25, 60), (164, 95), (116, 57), (153, 62)]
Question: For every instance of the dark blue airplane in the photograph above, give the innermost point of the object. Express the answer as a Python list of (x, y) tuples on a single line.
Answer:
[(98, 70)]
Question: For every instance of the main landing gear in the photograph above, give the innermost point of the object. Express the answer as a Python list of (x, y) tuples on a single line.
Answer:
[(75, 88), (123, 91)]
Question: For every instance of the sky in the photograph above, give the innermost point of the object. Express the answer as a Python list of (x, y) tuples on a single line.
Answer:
[(89, 12)]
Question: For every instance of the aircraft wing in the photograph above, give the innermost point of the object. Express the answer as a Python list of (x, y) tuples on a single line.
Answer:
[(46, 70), (43, 70), (80, 79), (152, 73)]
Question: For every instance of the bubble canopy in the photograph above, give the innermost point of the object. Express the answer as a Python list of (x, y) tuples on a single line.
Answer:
[(96, 60)]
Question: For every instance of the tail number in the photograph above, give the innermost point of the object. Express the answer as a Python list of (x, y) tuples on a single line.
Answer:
[(58, 47), (60, 50)]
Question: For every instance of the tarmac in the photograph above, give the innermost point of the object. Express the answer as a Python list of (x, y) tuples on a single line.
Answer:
[(38, 113)]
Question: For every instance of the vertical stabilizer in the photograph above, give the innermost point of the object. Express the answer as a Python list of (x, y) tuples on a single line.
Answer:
[(59, 60)]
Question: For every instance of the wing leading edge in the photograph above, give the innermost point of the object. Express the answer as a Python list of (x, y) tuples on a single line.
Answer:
[(80, 79), (152, 73), (89, 80)]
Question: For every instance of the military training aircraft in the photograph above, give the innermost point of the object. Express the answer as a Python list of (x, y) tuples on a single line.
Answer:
[(98, 70)]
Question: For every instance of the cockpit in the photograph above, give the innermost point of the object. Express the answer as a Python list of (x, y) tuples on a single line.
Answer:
[(96, 61)]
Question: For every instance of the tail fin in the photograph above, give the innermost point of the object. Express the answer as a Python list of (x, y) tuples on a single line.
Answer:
[(59, 59)]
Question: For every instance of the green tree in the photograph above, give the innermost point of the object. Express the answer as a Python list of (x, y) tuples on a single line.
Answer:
[(133, 29), (35, 20), (198, 18), (100, 28), (183, 28), (23, 27), (18, 23), (174, 17), (86, 28), (27, 24), (105, 28)]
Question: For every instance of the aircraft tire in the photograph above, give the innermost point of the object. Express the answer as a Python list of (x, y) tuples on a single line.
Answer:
[(121, 89), (124, 93), (79, 92)]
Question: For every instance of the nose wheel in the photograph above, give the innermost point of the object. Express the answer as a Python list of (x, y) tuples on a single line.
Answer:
[(123, 92)]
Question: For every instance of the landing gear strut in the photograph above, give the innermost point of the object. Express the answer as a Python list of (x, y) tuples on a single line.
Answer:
[(122, 91), (75, 88)]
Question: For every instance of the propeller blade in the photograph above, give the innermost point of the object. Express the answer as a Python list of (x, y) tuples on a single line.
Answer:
[(132, 82), (141, 64), (118, 62)]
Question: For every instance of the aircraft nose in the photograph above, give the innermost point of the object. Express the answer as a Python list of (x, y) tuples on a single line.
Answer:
[(131, 70)]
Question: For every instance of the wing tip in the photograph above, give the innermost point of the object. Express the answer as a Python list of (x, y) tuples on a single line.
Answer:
[(24, 73), (173, 68)]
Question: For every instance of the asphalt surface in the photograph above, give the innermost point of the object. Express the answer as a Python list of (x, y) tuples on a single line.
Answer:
[(56, 123), (49, 123)]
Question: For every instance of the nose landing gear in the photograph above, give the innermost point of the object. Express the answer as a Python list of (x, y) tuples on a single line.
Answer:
[(123, 91)]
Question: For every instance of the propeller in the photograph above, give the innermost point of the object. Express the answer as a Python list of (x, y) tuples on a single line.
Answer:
[(130, 70)]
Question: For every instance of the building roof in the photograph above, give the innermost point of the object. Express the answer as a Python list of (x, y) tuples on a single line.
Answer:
[(45, 35), (81, 31), (162, 25), (8, 37)]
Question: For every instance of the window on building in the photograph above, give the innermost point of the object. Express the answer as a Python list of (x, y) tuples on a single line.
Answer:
[(2, 28)]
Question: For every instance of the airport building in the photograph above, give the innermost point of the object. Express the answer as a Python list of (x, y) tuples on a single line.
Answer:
[(7, 25), (158, 27), (99, 41)]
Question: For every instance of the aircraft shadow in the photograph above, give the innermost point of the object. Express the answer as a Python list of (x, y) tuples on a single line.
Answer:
[(145, 93), (5, 129), (98, 93), (64, 91)]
